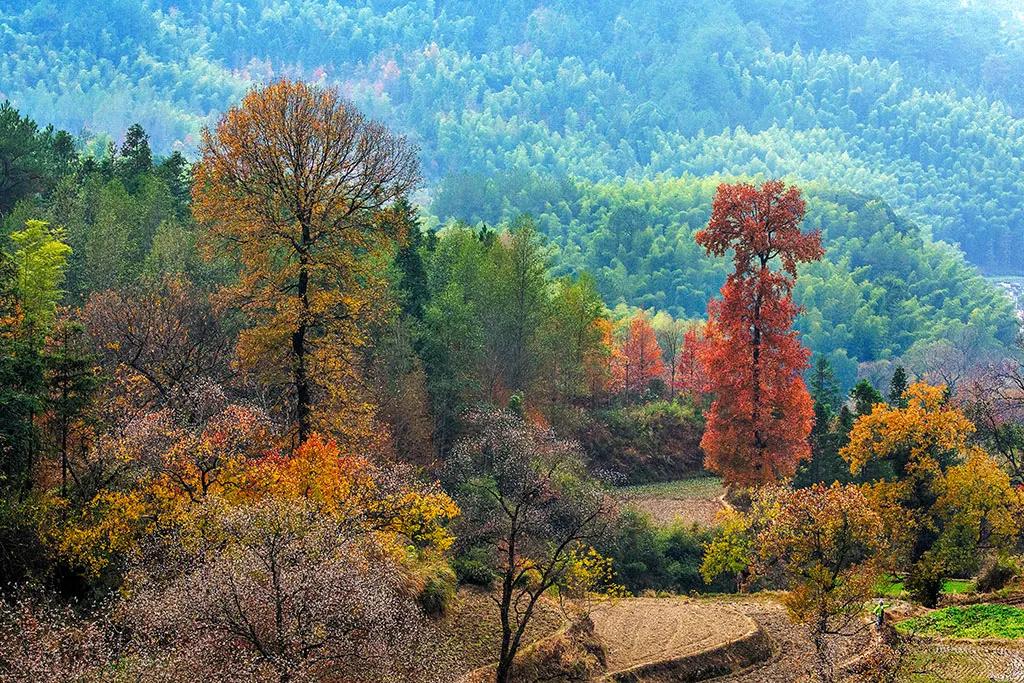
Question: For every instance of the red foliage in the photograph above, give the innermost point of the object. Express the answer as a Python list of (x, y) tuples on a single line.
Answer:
[(689, 376), (758, 424), (638, 359)]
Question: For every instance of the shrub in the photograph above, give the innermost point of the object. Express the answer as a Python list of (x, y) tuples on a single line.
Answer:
[(438, 591), (924, 584), (996, 573), (475, 567), (657, 441), (648, 557)]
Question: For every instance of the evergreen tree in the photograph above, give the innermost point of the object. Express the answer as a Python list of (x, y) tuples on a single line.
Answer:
[(898, 387), (823, 385), (136, 158), (72, 381), (828, 433), (864, 396), (414, 290), (21, 385)]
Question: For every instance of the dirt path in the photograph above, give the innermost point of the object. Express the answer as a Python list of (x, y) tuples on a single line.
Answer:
[(643, 630), (793, 657)]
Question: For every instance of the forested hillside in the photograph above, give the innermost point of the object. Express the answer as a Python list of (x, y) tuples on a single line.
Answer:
[(881, 290), (916, 102), (453, 341)]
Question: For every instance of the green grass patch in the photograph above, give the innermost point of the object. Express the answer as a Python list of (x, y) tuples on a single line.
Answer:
[(694, 487), (973, 621), (892, 587), (957, 586)]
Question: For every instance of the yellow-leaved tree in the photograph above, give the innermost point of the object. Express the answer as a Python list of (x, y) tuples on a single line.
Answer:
[(945, 502), (296, 183)]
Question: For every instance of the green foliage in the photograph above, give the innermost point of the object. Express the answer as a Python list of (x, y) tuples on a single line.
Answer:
[(475, 566), (882, 287), (438, 592), (648, 557), (832, 422), (916, 102), (974, 621), (893, 587), (655, 441), (996, 572), (31, 160), (40, 257), (497, 323)]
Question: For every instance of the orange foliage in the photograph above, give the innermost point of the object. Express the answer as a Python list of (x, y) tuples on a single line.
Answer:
[(922, 433), (758, 424), (352, 489), (296, 183), (689, 376), (597, 361)]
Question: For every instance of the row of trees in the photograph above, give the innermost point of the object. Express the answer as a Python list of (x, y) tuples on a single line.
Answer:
[(881, 292)]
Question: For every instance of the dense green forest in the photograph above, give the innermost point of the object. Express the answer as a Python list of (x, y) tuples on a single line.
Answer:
[(916, 102), (881, 289)]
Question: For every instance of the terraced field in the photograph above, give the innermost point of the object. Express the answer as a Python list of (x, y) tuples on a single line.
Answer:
[(644, 630), (957, 662), (697, 500)]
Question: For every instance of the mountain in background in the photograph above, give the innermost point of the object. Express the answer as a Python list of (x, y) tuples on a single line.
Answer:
[(915, 101)]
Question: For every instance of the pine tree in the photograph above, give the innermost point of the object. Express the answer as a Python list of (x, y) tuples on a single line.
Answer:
[(898, 387)]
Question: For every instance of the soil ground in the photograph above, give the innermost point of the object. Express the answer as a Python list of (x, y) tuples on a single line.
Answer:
[(957, 662), (642, 630), (474, 626)]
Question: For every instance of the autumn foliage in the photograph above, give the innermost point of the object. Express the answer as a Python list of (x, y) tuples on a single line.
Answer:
[(637, 360), (758, 424), (689, 377), (296, 183), (944, 501)]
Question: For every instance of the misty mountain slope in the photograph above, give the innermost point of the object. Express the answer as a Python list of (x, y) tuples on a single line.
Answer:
[(916, 102)]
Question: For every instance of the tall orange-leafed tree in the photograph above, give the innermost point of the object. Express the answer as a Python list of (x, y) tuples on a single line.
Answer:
[(296, 183), (638, 359), (761, 416)]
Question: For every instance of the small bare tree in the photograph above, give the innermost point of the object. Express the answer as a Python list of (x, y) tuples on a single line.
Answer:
[(527, 496)]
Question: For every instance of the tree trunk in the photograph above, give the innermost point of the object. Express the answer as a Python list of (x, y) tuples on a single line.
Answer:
[(822, 664), (300, 376), (504, 673), (756, 369)]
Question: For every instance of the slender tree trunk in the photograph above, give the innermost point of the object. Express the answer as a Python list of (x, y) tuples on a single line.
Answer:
[(823, 664), (756, 369), (64, 458), (300, 376), (824, 668)]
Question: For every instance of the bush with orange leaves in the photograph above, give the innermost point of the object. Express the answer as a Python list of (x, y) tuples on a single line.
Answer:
[(172, 466)]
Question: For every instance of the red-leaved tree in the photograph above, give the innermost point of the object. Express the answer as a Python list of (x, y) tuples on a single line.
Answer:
[(758, 424), (690, 379), (638, 359)]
